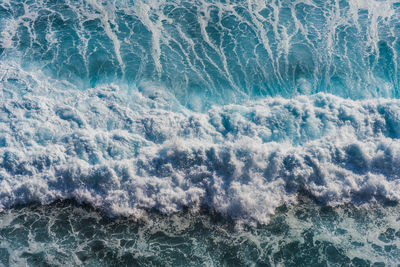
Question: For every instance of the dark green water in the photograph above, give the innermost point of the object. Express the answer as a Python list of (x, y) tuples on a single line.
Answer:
[(308, 234)]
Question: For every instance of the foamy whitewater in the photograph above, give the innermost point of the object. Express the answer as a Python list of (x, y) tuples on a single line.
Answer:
[(232, 109)]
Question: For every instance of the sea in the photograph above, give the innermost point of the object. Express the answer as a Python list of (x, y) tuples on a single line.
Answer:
[(199, 133)]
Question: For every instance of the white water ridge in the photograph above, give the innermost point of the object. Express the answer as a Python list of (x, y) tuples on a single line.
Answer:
[(127, 150)]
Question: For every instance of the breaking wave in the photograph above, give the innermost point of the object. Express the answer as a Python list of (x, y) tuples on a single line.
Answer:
[(126, 150)]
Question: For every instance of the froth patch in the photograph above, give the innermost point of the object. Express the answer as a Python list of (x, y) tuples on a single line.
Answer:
[(129, 150)]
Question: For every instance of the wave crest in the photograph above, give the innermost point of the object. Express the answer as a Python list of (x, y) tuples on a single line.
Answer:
[(125, 150)]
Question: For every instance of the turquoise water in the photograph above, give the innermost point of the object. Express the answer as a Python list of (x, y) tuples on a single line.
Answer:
[(219, 51), (192, 126)]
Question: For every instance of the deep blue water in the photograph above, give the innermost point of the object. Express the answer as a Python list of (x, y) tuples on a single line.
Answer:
[(181, 133)]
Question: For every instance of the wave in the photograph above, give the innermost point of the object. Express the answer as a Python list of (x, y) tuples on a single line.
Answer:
[(126, 150), (219, 51)]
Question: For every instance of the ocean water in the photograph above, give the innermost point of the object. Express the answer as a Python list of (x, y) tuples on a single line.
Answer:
[(199, 133)]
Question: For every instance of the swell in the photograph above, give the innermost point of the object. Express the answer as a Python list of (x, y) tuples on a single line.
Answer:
[(127, 150), (221, 52)]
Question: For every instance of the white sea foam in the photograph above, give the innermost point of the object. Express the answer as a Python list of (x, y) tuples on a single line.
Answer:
[(126, 150)]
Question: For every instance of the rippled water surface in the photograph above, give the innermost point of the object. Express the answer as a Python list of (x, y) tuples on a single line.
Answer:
[(302, 235), (181, 132)]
